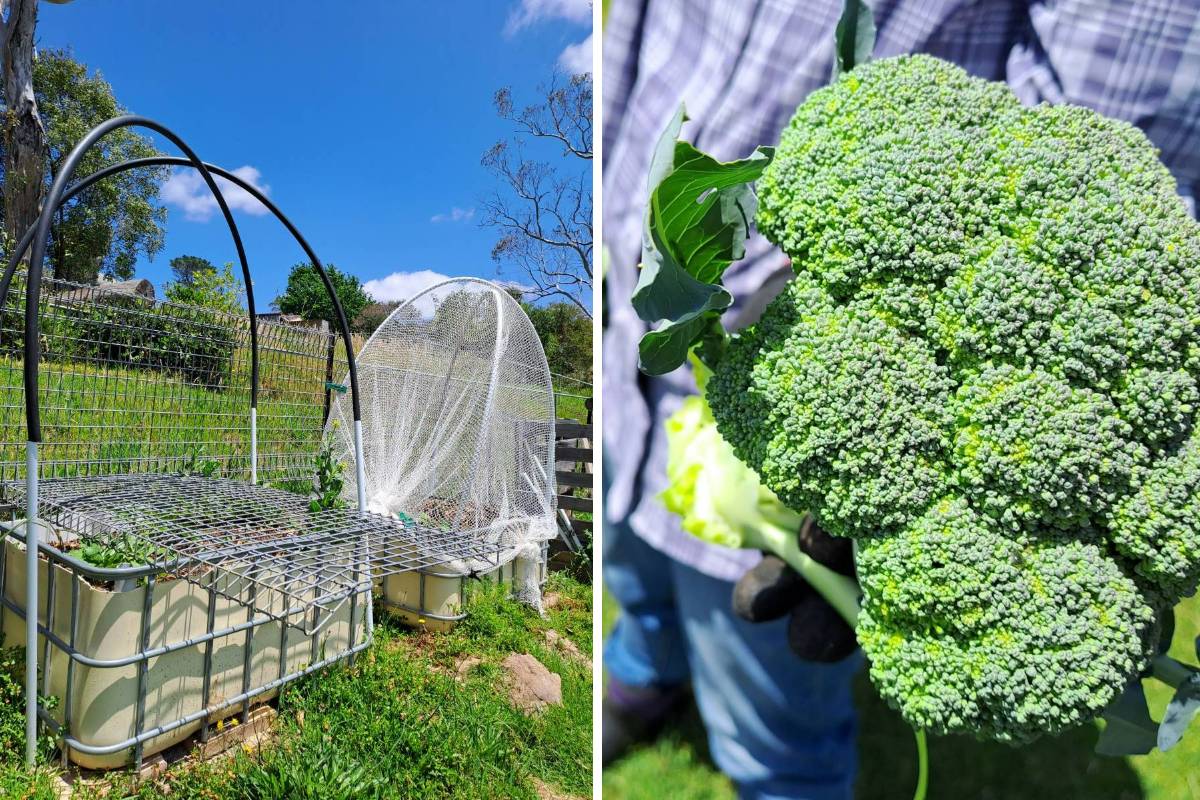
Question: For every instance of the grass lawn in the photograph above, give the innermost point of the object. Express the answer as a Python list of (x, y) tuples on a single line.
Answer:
[(399, 723), (1063, 768), (571, 406)]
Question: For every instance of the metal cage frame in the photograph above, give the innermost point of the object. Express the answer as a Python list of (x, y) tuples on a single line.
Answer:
[(146, 579), (370, 538)]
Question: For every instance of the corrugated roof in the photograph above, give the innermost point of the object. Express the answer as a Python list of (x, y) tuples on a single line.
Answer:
[(136, 287)]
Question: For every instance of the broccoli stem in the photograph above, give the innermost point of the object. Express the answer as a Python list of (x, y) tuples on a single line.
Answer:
[(839, 591), (922, 765), (1169, 671)]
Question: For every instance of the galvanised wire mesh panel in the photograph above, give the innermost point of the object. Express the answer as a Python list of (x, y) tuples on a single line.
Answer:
[(457, 418), (259, 546), (295, 390)]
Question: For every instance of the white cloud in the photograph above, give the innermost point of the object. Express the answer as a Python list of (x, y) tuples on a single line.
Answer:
[(402, 285), (577, 58), (456, 215), (186, 189), (529, 12)]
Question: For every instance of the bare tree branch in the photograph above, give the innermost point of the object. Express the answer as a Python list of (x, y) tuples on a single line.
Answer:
[(564, 114), (543, 210)]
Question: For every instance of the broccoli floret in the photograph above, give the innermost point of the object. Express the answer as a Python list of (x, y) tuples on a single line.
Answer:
[(1031, 447), (808, 394), (986, 372), (1158, 405), (1157, 527), (864, 180), (1049, 237), (970, 629)]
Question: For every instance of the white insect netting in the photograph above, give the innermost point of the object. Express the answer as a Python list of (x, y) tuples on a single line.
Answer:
[(457, 420)]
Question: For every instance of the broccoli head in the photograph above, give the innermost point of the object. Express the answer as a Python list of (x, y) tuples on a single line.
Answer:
[(985, 372), (1048, 630)]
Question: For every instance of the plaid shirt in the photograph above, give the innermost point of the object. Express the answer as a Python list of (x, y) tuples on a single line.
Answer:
[(742, 68)]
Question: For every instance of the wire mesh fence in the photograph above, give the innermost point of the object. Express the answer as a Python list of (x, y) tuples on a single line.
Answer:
[(129, 384), (571, 397)]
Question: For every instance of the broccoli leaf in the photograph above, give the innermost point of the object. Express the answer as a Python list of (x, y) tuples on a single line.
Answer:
[(703, 208), (854, 37), (665, 348), (662, 161), (696, 225), (1180, 711), (1129, 730)]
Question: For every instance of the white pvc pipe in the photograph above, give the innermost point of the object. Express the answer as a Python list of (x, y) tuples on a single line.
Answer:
[(31, 601), (253, 445), (360, 469), (360, 479)]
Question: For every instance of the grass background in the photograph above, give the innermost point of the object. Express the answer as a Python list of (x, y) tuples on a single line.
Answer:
[(570, 404), (1062, 768)]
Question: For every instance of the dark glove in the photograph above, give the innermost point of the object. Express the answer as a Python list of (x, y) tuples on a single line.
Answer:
[(816, 631)]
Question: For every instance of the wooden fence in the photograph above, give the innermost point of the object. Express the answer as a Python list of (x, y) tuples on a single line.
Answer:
[(573, 458)]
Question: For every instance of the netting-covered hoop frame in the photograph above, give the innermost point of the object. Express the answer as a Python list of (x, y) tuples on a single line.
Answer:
[(458, 417)]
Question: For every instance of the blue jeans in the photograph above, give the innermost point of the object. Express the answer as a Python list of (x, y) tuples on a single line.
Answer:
[(777, 726)]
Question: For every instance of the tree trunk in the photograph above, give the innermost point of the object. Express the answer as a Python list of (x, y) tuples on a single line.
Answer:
[(24, 135)]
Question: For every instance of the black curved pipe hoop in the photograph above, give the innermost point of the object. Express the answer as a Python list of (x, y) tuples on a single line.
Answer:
[(42, 235), (59, 194), (22, 246), (249, 188)]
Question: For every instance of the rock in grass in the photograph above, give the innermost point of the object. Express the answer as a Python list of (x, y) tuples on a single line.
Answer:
[(567, 648), (531, 687)]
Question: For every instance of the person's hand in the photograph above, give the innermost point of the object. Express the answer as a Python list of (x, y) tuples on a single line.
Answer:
[(816, 632)]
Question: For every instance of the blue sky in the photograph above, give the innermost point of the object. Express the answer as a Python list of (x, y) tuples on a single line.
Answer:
[(366, 125)]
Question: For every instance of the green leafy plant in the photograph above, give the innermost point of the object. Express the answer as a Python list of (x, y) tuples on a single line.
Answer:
[(12, 702), (200, 335), (191, 335), (119, 551), (12, 707), (328, 482), (326, 775), (984, 373), (197, 464)]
